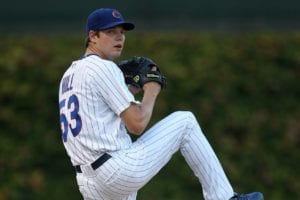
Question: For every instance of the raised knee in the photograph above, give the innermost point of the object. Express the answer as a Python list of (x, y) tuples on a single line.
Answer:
[(185, 115)]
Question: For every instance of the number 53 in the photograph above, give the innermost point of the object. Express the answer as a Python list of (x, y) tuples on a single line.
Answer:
[(72, 110)]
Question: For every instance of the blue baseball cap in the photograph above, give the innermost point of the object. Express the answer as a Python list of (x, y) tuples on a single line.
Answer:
[(105, 18)]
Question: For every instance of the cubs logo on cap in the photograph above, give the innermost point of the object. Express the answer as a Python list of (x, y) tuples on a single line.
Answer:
[(116, 14), (105, 18)]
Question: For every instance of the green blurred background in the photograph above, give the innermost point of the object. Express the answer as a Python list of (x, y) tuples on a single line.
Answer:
[(235, 64)]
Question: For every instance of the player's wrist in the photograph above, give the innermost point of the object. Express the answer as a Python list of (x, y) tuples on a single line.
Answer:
[(152, 87)]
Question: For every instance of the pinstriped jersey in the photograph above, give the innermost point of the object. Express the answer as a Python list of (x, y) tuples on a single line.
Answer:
[(92, 94)]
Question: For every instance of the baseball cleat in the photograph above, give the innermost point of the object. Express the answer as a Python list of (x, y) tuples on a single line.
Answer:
[(249, 196)]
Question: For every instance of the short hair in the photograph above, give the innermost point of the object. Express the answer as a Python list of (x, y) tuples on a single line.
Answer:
[(87, 39)]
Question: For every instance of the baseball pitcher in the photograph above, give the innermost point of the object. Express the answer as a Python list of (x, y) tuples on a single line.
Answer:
[(98, 111)]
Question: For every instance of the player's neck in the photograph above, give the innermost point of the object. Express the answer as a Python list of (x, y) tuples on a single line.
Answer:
[(94, 51), (90, 50)]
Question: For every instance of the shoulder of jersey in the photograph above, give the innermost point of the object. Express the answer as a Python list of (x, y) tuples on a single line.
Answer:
[(96, 58)]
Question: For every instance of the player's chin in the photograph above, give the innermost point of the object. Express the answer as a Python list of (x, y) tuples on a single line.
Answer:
[(116, 54)]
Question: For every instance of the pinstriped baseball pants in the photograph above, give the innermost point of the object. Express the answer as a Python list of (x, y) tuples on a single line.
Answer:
[(130, 169)]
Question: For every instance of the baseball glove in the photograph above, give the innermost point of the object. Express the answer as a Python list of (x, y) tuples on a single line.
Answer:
[(138, 71)]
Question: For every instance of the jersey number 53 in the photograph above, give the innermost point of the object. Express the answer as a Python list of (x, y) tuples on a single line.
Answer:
[(71, 111)]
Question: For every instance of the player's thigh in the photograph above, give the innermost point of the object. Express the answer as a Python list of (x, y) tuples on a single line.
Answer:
[(154, 149), (166, 136)]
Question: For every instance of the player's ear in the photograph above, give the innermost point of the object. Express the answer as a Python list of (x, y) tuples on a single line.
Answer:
[(93, 35)]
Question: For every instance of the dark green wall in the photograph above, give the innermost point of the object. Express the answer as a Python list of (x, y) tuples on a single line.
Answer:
[(62, 15)]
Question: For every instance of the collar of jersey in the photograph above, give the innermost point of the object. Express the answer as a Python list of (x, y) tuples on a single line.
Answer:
[(91, 54)]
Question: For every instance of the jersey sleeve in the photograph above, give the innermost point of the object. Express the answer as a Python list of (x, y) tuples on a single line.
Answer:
[(113, 89)]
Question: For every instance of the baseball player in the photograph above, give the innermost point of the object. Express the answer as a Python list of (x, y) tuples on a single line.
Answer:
[(98, 111)]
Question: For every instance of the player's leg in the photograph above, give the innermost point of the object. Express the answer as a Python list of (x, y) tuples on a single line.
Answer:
[(178, 131), (93, 185), (203, 161), (128, 170)]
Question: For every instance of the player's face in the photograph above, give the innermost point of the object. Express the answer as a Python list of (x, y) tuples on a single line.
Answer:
[(110, 42)]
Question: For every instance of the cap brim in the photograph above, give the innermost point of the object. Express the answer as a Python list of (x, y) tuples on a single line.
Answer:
[(126, 25)]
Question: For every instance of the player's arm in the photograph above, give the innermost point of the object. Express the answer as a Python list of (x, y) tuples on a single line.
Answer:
[(137, 116)]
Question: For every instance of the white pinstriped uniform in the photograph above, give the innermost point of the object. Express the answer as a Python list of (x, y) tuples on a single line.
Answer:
[(102, 95)]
